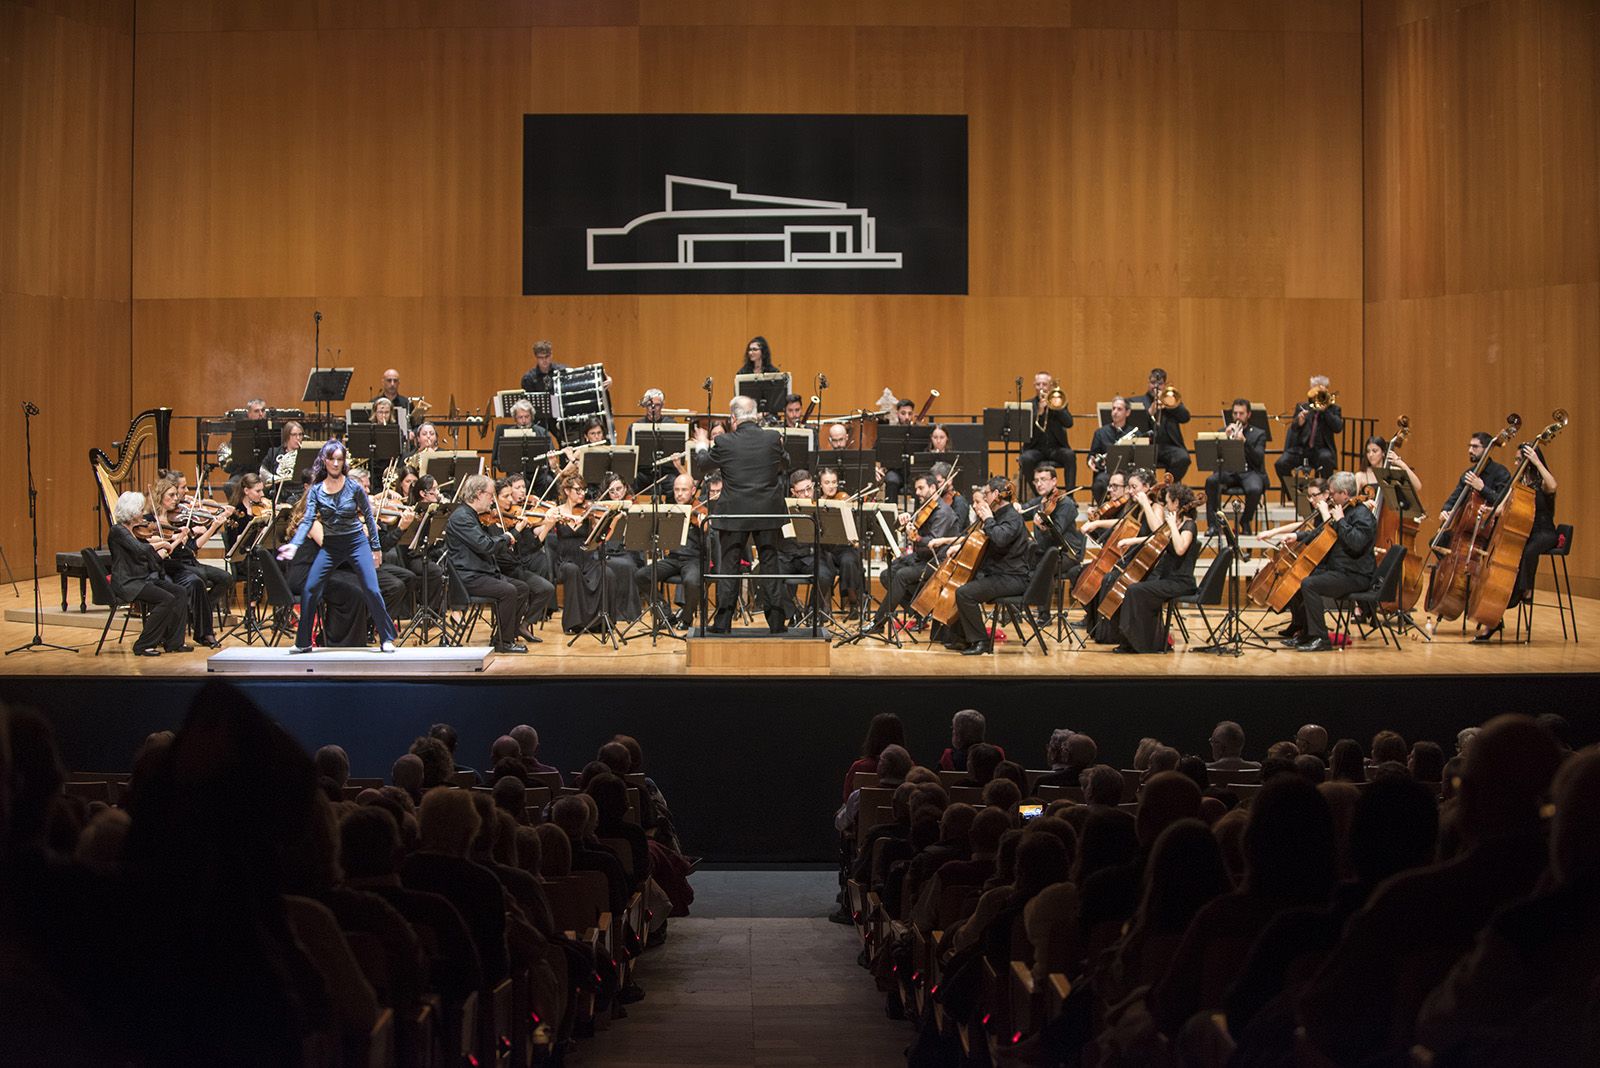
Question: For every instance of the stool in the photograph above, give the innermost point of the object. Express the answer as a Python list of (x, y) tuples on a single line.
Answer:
[(1562, 584)]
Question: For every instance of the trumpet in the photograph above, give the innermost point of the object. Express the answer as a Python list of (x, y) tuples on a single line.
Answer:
[(1320, 398)]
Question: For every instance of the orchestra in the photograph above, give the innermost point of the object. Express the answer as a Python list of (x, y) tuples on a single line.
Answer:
[(543, 538)]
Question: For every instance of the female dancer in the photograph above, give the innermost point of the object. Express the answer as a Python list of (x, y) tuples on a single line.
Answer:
[(345, 512)]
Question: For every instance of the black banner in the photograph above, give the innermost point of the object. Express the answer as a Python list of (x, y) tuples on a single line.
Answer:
[(744, 204)]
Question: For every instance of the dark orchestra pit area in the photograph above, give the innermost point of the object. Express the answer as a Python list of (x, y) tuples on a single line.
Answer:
[(727, 744)]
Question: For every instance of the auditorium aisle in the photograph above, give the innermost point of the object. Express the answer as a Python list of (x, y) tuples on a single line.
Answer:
[(756, 976)]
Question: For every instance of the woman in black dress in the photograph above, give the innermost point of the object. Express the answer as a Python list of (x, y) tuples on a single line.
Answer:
[(758, 358), (578, 566), (1143, 628)]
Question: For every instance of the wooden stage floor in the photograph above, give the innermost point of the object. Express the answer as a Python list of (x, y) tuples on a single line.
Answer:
[(1450, 654)]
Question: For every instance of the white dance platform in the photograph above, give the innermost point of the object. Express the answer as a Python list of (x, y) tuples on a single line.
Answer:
[(418, 660)]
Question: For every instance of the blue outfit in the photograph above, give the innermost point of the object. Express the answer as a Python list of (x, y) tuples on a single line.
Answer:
[(349, 534)]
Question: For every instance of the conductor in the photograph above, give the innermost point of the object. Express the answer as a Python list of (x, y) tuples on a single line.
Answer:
[(752, 506)]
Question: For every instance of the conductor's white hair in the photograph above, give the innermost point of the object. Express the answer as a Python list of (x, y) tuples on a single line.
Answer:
[(742, 410), (129, 506)]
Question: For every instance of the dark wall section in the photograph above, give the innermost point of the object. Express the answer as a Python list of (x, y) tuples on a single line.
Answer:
[(753, 768)]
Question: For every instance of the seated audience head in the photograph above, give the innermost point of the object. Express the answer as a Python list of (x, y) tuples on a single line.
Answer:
[(1002, 794), (555, 851), (1341, 798), (1346, 763), (369, 843), (955, 825), (1162, 758), (1167, 798), (1081, 750), (615, 756), (966, 728), (1057, 828), (900, 802), (1426, 762), (894, 763), (1229, 831), (1212, 809), (635, 752), (407, 774), (1312, 739), (448, 822), (1195, 768), (1227, 740), (527, 741), (1464, 739), (987, 827), (35, 774), (1310, 768), (530, 853), (1055, 751), (437, 766), (1102, 785), (1289, 843), (1387, 746), (884, 730), (1395, 826), (446, 734), (1504, 779), (1575, 832), (610, 796), (1274, 766), (511, 796), (1283, 751), (1108, 839), (572, 816), (332, 762), (921, 776), (1184, 873), (1141, 753), (1556, 725), (982, 759), (1042, 860), (1013, 772), (503, 747), (100, 846)]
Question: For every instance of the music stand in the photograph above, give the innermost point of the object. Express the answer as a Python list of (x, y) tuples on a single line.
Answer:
[(620, 460), (304, 458), (373, 445), (429, 532), (655, 532), (252, 439), (897, 444), (797, 442), (658, 445), (517, 449), (966, 437), (767, 390), (1138, 415), (358, 413), (1229, 637), (1220, 453), (1395, 491), (1011, 425), (326, 385), (857, 467), (451, 468), (1140, 452)]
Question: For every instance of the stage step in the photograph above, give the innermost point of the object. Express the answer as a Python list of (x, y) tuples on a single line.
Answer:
[(418, 660), (93, 619), (759, 654)]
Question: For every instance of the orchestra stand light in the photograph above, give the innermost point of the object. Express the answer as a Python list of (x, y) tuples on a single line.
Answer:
[(29, 410)]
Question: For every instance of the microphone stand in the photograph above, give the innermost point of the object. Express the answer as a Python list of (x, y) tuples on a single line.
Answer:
[(29, 410), (1005, 435)]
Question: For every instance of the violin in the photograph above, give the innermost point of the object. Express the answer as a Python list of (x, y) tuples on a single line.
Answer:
[(699, 515)]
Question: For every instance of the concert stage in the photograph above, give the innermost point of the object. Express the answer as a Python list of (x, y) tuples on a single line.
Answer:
[(750, 758)]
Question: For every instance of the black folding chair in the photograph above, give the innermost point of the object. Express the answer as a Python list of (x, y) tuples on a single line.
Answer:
[(280, 598), (471, 607), (100, 593), (1209, 592), (1385, 587), (1015, 608)]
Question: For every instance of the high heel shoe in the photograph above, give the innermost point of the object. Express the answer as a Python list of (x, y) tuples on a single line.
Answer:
[(1489, 634)]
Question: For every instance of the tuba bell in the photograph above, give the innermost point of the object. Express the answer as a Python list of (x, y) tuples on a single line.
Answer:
[(1320, 398)]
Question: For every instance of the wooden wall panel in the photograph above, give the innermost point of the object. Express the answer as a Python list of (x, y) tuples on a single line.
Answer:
[(66, 133), (1481, 246), (804, 69)]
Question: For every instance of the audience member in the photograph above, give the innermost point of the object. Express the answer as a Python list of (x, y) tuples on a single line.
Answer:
[(884, 730), (449, 822), (1102, 785), (1387, 746), (1346, 763), (1312, 739), (1227, 748), (982, 760), (437, 766), (528, 741), (966, 730), (447, 735)]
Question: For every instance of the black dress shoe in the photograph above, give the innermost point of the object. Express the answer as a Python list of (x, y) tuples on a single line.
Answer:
[(955, 644), (1314, 645), (979, 648), (529, 636), (1289, 641), (147, 652), (210, 641), (510, 647), (185, 648), (719, 628), (1488, 635), (1124, 649)]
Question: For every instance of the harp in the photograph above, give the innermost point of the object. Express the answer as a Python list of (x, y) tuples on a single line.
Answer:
[(147, 447)]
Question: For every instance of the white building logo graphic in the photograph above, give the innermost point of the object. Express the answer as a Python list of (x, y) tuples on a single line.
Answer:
[(710, 225)]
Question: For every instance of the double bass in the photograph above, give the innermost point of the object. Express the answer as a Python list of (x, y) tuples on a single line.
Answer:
[(1464, 539), (1395, 527), (1512, 520)]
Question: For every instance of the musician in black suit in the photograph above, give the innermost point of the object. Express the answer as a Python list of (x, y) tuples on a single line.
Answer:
[(1058, 529), (1311, 439), (136, 578), (1252, 481), (751, 507), (1105, 437), (541, 377), (1347, 568), (473, 548), (924, 551), (1492, 483), (1003, 571), (1166, 427), (681, 562), (1049, 441)]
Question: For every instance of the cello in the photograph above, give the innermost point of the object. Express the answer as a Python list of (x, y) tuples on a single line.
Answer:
[(1094, 573), (937, 597), (1463, 538), (1512, 522), (1307, 559), (1144, 558), (1259, 592)]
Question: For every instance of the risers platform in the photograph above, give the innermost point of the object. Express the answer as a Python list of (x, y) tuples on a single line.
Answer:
[(420, 660)]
